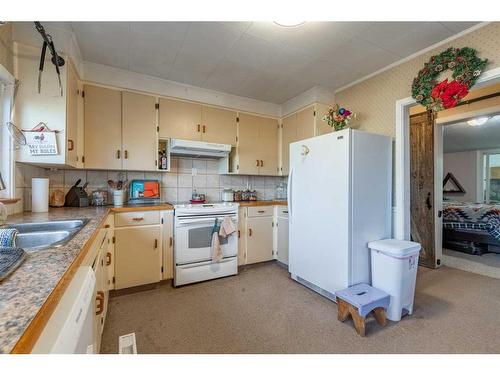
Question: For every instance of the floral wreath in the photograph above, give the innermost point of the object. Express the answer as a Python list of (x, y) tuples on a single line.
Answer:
[(465, 69)]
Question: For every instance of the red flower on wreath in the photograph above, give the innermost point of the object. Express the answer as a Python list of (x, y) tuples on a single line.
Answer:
[(449, 93)]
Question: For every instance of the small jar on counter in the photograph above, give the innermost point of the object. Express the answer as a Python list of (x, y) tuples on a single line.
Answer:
[(238, 196)]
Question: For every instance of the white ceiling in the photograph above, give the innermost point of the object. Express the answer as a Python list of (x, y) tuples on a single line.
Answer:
[(463, 137), (260, 60)]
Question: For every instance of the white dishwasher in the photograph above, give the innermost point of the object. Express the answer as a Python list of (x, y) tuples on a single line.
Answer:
[(70, 328)]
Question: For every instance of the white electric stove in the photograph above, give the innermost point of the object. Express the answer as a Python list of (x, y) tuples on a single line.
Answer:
[(193, 238)]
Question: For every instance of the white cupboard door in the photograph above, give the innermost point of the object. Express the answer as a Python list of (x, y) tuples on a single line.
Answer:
[(139, 131), (103, 128), (168, 245), (138, 256), (72, 117), (259, 239), (268, 147), (242, 238), (179, 119), (218, 125), (282, 240)]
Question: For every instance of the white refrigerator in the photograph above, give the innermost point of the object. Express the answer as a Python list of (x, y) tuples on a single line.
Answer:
[(339, 199)]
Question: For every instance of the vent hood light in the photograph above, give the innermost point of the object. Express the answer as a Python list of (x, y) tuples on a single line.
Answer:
[(289, 23), (478, 121)]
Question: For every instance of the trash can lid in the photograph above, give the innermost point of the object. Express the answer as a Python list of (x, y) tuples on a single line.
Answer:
[(395, 248)]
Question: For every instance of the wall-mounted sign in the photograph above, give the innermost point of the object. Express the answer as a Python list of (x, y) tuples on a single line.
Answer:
[(41, 143)]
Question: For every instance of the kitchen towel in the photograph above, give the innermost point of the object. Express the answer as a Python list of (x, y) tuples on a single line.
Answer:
[(10, 259), (8, 237), (227, 227), (215, 245)]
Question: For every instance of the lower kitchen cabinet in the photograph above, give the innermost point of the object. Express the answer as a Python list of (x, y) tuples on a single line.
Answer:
[(168, 244), (138, 255), (259, 239), (282, 235)]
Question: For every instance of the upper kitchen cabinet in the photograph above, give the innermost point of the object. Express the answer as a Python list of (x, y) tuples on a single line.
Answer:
[(180, 119), (303, 124), (59, 113), (138, 131), (218, 125), (257, 151), (103, 123), (196, 122)]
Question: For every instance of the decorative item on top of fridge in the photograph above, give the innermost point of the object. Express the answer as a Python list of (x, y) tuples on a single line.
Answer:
[(338, 117)]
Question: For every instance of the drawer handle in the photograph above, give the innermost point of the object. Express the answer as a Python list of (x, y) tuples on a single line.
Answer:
[(285, 212), (261, 211), (106, 226), (156, 243), (249, 232), (138, 218), (100, 303), (108, 259)]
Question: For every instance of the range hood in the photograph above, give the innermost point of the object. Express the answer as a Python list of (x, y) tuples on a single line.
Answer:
[(196, 148)]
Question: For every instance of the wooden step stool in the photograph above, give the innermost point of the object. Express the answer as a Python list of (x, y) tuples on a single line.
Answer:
[(360, 300)]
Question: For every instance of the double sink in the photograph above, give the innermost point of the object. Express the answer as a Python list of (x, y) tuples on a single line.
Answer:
[(42, 235)]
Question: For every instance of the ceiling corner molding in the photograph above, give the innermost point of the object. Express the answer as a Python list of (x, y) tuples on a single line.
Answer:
[(414, 55), (316, 94)]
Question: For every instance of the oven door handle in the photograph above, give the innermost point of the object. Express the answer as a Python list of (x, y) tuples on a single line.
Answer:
[(184, 222)]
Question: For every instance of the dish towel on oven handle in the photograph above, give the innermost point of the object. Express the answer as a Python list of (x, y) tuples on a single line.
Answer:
[(225, 229)]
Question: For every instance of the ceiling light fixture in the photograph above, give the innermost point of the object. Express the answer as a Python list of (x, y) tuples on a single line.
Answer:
[(478, 121), (289, 23)]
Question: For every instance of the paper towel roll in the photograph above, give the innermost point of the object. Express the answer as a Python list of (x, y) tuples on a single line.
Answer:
[(39, 195)]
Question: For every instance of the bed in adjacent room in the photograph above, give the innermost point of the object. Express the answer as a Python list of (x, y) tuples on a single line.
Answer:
[(472, 228)]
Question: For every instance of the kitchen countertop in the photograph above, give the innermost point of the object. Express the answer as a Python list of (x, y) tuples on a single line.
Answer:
[(31, 293)]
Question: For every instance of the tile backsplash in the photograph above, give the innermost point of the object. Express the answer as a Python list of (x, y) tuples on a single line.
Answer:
[(177, 185)]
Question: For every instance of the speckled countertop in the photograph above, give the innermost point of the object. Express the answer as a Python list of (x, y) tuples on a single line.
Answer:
[(24, 292)]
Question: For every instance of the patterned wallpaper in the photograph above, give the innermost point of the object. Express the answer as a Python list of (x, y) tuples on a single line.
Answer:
[(374, 99), (6, 53)]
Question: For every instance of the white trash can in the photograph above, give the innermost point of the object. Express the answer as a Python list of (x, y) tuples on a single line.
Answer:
[(394, 271)]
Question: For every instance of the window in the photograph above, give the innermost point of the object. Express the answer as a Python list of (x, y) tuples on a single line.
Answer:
[(6, 150), (491, 173)]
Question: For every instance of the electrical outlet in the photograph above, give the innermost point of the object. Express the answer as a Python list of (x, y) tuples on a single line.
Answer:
[(194, 171)]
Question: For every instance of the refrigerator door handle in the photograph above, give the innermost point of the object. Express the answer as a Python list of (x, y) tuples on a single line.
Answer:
[(289, 194)]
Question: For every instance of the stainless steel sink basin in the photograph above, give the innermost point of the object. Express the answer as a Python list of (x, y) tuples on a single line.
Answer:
[(42, 235)]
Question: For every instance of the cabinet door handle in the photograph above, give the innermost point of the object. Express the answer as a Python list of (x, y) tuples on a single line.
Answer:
[(156, 243), (137, 218), (126, 154), (108, 259), (257, 163), (204, 128), (261, 163), (198, 128), (171, 242), (71, 145), (118, 154), (100, 302), (249, 232), (106, 225), (239, 233)]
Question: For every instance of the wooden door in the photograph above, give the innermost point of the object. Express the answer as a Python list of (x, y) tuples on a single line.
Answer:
[(248, 134), (72, 117), (305, 123), (103, 128), (180, 119), (259, 239), (139, 132), (168, 245), (268, 146), (138, 258), (288, 135), (422, 186), (218, 125), (242, 237)]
